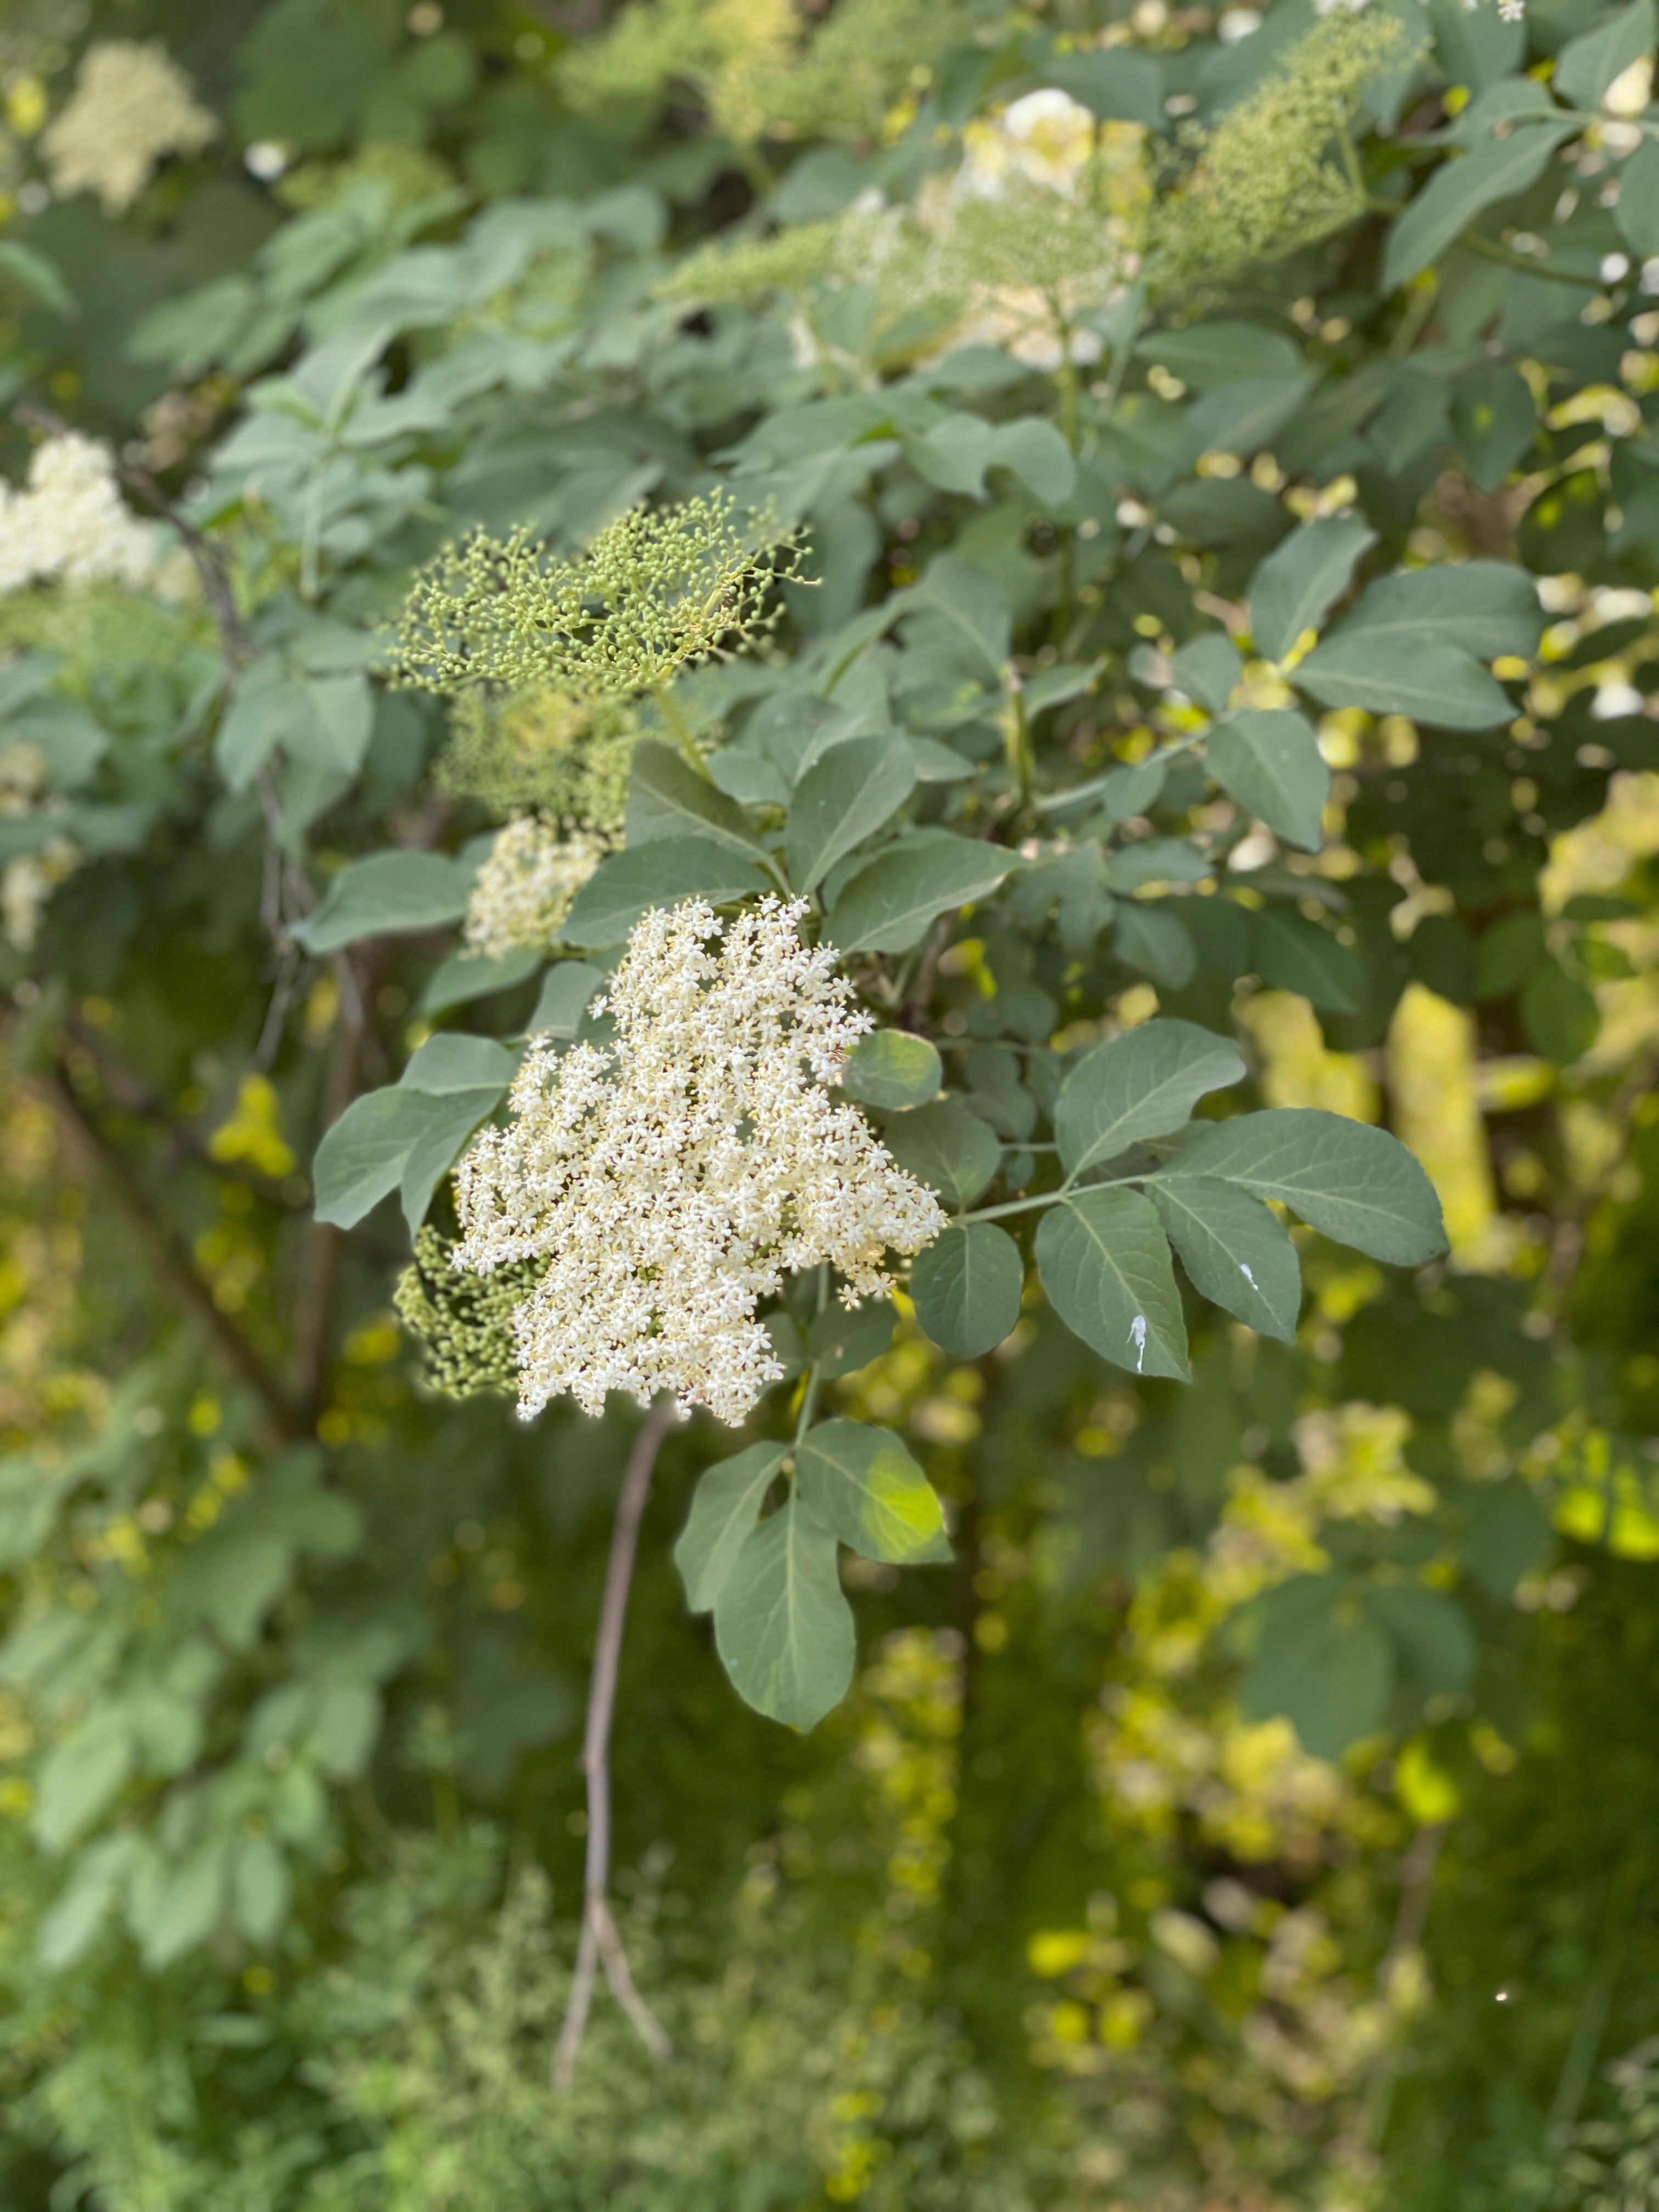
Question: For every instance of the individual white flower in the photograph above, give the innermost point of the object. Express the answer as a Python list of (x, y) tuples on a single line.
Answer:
[(673, 1179), (1046, 137), (131, 107), (71, 522), (526, 886)]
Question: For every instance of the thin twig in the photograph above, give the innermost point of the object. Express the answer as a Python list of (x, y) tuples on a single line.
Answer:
[(182, 1287), (600, 1943)]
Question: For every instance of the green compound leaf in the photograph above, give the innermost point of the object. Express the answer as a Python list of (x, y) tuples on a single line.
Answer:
[(782, 1626), (387, 895), (843, 798), (1298, 584), (1487, 608), (724, 1511), (888, 904), (667, 798), (947, 1147), (893, 1069), (864, 1484), (1106, 1267), (967, 1288), (1352, 1182), (1386, 674), (1235, 1251), (657, 874), (1268, 759), (1496, 170), (1143, 1084)]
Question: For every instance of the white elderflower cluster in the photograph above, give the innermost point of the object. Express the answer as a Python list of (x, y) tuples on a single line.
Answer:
[(526, 886), (132, 106), (69, 521), (674, 1179), (1511, 11), (27, 883)]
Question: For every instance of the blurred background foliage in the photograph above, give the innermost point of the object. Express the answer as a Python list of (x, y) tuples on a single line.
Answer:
[(1065, 1907)]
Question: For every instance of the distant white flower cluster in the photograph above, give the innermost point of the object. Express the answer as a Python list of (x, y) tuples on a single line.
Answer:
[(27, 883), (69, 521), (524, 889), (1512, 11), (132, 106), (674, 1179), (1045, 137)]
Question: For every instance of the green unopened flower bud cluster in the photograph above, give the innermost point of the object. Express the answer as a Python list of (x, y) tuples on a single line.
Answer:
[(656, 591), (464, 1320), (1267, 179)]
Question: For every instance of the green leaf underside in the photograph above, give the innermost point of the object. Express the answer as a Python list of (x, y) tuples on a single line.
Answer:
[(1142, 1084), (725, 1509), (1268, 759), (967, 1288), (782, 1626), (1236, 1252), (861, 1483), (1329, 1675), (660, 873), (888, 904), (667, 798), (1349, 1181), (1106, 1268)]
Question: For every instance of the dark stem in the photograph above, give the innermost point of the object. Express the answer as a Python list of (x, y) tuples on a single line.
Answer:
[(600, 1944), (182, 1287)]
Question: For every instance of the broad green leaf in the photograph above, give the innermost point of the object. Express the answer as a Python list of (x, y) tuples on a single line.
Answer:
[(568, 988), (659, 874), (1484, 607), (1036, 453), (1352, 1182), (1105, 1265), (1508, 1536), (1241, 418), (1294, 954), (1322, 1664), (725, 1509), (1495, 419), (1053, 687), (37, 274), (1268, 759), (82, 1775), (1386, 674), (972, 604), (1207, 669), (1210, 355), (967, 1288), (892, 1069), (1152, 936), (1430, 1632), (468, 976), (1234, 1250), (335, 731), (667, 798), (398, 1138), (888, 904), (1298, 583), (954, 454), (1497, 169), (388, 895), (1637, 211), (1508, 952), (269, 708), (259, 1889), (782, 1626), (843, 798), (437, 1145), (1143, 1084), (1586, 68), (1559, 1014), (862, 1483), (843, 1339), (948, 1147), (452, 1061)]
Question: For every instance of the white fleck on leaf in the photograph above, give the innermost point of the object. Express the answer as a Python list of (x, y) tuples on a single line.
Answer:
[(1247, 1276), (1138, 1338)]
